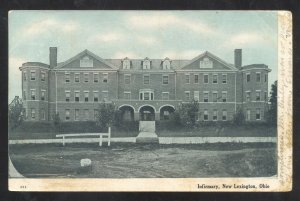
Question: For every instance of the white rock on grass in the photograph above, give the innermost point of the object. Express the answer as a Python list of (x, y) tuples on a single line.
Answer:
[(85, 162)]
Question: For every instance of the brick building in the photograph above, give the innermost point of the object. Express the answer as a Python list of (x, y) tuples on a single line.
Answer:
[(143, 89)]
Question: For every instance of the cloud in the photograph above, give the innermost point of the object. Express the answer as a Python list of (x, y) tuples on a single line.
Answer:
[(49, 25), (147, 40), (163, 20), (244, 39), (185, 54), (121, 55), (106, 37)]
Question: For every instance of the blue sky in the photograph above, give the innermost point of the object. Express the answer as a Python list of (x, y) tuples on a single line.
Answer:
[(137, 34)]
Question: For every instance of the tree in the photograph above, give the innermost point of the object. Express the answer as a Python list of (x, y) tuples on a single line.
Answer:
[(106, 115), (239, 118), (271, 114), (16, 113), (188, 113)]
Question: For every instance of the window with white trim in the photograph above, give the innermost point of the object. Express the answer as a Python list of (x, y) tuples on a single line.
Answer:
[(248, 77), (196, 78), (146, 64), (126, 64), (248, 96), (215, 78), (224, 96), (196, 95), (258, 77), (215, 96), (96, 96), (257, 95), (43, 76), (127, 95), (68, 95), (224, 78), (205, 115), (33, 94), (258, 114), (146, 79), (32, 75), (215, 115), (187, 78), (205, 79), (86, 77), (105, 77), (205, 96), (67, 114), (86, 96), (266, 77), (165, 79), (127, 78), (166, 64), (67, 77), (32, 113), (146, 94), (77, 96), (224, 115), (165, 95), (96, 77), (43, 95), (77, 77)]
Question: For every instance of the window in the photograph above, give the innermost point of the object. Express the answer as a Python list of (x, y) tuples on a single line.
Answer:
[(248, 115), (146, 79), (86, 114), (215, 79), (224, 96), (166, 64), (67, 77), (215, 115), (96, 96), (196, 79), (127, 78), (187, 95), (166, 115), (187, 78), (206, 63), (196, 95), (76, 77), (32, 91), (24, 76), (215, 96), (105, 95), (126, 63), (86, 96), (68, 95), (32, 77), (224, 115), (67, 114), (146, 95), (146, 64), (86, 62), (76, 114), (43, 75), (257, 96), (205, 96), (96, 113), (257, 116), (96, 77), (248, 95), (43, 114), (224, 78), (257, 77), (86, 77), (165, 79), (32, 113), (105, 77), (43, 95), (24, 95), (77, 96), (165, 95), (205, 116), (127, 95), (266, 96), (266, 77), (248, 77), (205, 80)]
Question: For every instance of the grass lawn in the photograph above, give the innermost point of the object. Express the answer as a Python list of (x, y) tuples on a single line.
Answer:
[(146, 161)]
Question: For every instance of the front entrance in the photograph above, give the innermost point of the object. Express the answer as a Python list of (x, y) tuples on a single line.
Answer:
[(147, 113)]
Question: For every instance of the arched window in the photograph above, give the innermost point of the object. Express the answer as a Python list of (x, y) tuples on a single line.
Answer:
[(146, 63), (206, 63), (126, 63), (166, 64)]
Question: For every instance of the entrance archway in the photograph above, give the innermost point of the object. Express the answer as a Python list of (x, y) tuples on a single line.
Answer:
[(127, 112), (166, 111), (147, 113)]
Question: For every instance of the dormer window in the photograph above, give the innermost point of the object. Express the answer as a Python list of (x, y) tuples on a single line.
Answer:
[(126, 63), (146, 63), (206, 63), (166, 65), (86, 62)]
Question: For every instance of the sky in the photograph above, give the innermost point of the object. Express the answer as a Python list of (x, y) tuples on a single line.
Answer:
[(140, 34)]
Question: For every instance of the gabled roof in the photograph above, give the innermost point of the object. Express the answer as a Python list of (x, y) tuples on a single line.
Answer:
[(85, 52), (206, 53)]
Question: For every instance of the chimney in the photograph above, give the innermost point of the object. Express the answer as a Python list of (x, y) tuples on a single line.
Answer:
[(238, 58), (53, 57)]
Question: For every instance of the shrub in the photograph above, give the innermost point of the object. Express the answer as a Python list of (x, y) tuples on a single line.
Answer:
[(239, 118), (188, 113), (106, 115), (15, 113)]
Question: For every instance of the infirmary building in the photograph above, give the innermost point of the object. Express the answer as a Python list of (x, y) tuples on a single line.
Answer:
[(143, 89)]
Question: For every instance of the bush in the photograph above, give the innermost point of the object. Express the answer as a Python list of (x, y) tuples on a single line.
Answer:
[(106, 115), (188, 113), (239, 118)]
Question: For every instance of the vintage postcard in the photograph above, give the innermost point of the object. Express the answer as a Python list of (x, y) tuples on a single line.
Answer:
[(150, 101)]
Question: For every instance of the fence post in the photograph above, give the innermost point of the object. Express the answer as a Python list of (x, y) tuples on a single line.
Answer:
[(63, 140), (100, 143), (109, 131)]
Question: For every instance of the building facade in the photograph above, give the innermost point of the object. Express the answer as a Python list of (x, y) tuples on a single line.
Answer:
[(143, 89)]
